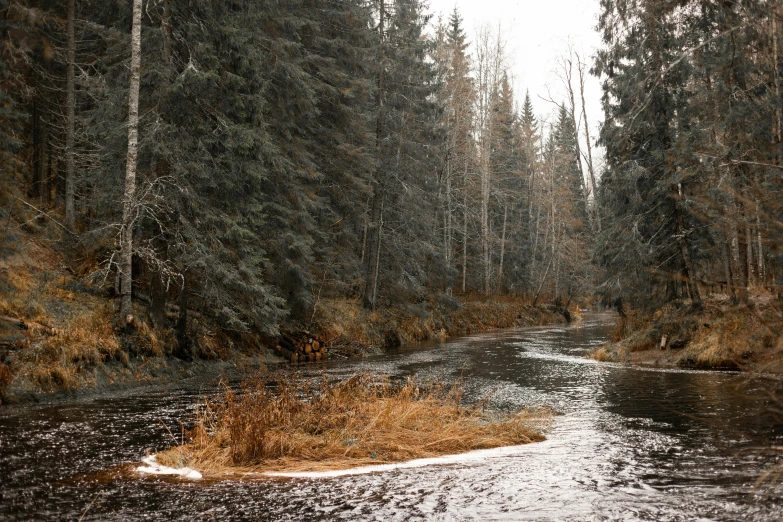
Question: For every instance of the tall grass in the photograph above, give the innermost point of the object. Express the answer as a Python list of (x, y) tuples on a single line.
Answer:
[(294, 425)]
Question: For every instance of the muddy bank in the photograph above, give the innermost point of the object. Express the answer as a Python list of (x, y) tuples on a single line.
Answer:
[(717, 335)]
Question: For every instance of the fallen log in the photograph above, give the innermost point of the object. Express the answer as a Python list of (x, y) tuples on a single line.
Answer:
[(285, 343)]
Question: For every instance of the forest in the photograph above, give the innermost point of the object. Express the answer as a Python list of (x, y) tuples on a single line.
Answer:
[(256, 156), (507, 313), (248, 160)]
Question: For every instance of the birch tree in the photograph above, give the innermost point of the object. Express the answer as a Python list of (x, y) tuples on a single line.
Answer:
[(128, 202)]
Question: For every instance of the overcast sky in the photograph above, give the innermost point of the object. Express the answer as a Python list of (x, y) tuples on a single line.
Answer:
[(538, 32)]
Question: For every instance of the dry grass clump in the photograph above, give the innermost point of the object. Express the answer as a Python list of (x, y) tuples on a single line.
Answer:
[(296, 426), (27, 309), (88, 337), (345, 322), (722, 341), (629, 322), (606, 354)]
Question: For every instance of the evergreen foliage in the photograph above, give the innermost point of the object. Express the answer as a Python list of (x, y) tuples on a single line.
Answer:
[(692, 133), (288, 151)]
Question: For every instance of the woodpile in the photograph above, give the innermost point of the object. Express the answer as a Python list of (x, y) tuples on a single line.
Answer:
[(300, 347)]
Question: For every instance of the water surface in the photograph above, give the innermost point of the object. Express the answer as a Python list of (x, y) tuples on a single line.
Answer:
[(630, 444)]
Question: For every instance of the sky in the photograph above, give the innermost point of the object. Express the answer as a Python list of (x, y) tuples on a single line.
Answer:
[(538, 33)]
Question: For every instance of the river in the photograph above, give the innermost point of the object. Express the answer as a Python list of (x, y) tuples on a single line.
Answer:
[(627, 444)]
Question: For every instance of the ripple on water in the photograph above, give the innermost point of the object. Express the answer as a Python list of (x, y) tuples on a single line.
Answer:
[(629, 444)]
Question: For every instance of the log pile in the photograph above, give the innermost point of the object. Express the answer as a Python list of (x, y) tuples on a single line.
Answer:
[(300, 347)]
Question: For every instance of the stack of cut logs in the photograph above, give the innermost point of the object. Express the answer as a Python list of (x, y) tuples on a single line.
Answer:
[(300, 347)]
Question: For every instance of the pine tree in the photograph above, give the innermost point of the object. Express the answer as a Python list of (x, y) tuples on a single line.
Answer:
[(409, 154), (458, 118), (641, 103), (9, 112), (510, 215)]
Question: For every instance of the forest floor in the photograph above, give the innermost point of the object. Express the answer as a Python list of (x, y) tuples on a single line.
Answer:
[(719, 335), (60, 335)]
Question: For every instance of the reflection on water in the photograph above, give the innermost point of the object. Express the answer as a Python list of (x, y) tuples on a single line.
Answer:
[(631, 444)]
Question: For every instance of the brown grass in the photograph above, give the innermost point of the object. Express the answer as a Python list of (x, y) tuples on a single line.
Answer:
[(605, 354), (346, 321), (296, 426), (718, 335), (5, 379)]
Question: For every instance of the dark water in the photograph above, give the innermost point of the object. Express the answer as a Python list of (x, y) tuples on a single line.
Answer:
[(631, 444)]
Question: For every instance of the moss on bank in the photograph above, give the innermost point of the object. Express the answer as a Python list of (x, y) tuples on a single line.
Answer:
[(717, 335)]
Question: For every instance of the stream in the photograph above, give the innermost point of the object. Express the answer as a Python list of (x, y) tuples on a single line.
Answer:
[(627, 444)]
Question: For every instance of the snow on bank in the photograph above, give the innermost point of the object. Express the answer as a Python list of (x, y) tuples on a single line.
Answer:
[(460, 458), (153, 468)]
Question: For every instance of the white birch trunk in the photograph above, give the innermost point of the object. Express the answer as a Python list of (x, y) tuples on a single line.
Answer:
[(128, 210)]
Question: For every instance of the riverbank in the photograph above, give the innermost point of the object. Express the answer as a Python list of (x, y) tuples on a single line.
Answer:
[(60, 335), (718, 335)]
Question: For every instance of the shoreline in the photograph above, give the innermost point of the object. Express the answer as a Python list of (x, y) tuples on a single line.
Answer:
[(718, 335), (371, 335)]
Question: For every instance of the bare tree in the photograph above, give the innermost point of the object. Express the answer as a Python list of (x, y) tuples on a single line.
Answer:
[(128, 207), (580, 66), (70, 104), (490, 59)]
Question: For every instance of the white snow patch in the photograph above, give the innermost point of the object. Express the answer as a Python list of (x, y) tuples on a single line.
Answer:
[(153, 468), (471, 456)]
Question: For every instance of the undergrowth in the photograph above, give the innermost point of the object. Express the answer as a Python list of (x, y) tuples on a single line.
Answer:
[(718, 334), (347, 322)]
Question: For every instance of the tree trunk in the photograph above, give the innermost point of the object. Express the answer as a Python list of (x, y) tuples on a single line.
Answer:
[(36, 168), (70, 120), (448, 217), (49, 171), (374, 237), (775, 66), (688, 273), (726, 251), (182, 320), (741, 260), (591, 171), (464, 237), (165, 26), (749, 254), (485, 227), (157, 306), (128, 210), (577, 146), (40, 175), (502, 249)]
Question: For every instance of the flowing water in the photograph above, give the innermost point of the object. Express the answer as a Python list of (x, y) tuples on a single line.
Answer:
[(629, 444)]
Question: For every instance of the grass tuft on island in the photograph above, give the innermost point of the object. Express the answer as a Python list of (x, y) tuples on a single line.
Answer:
[(293, 425)]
